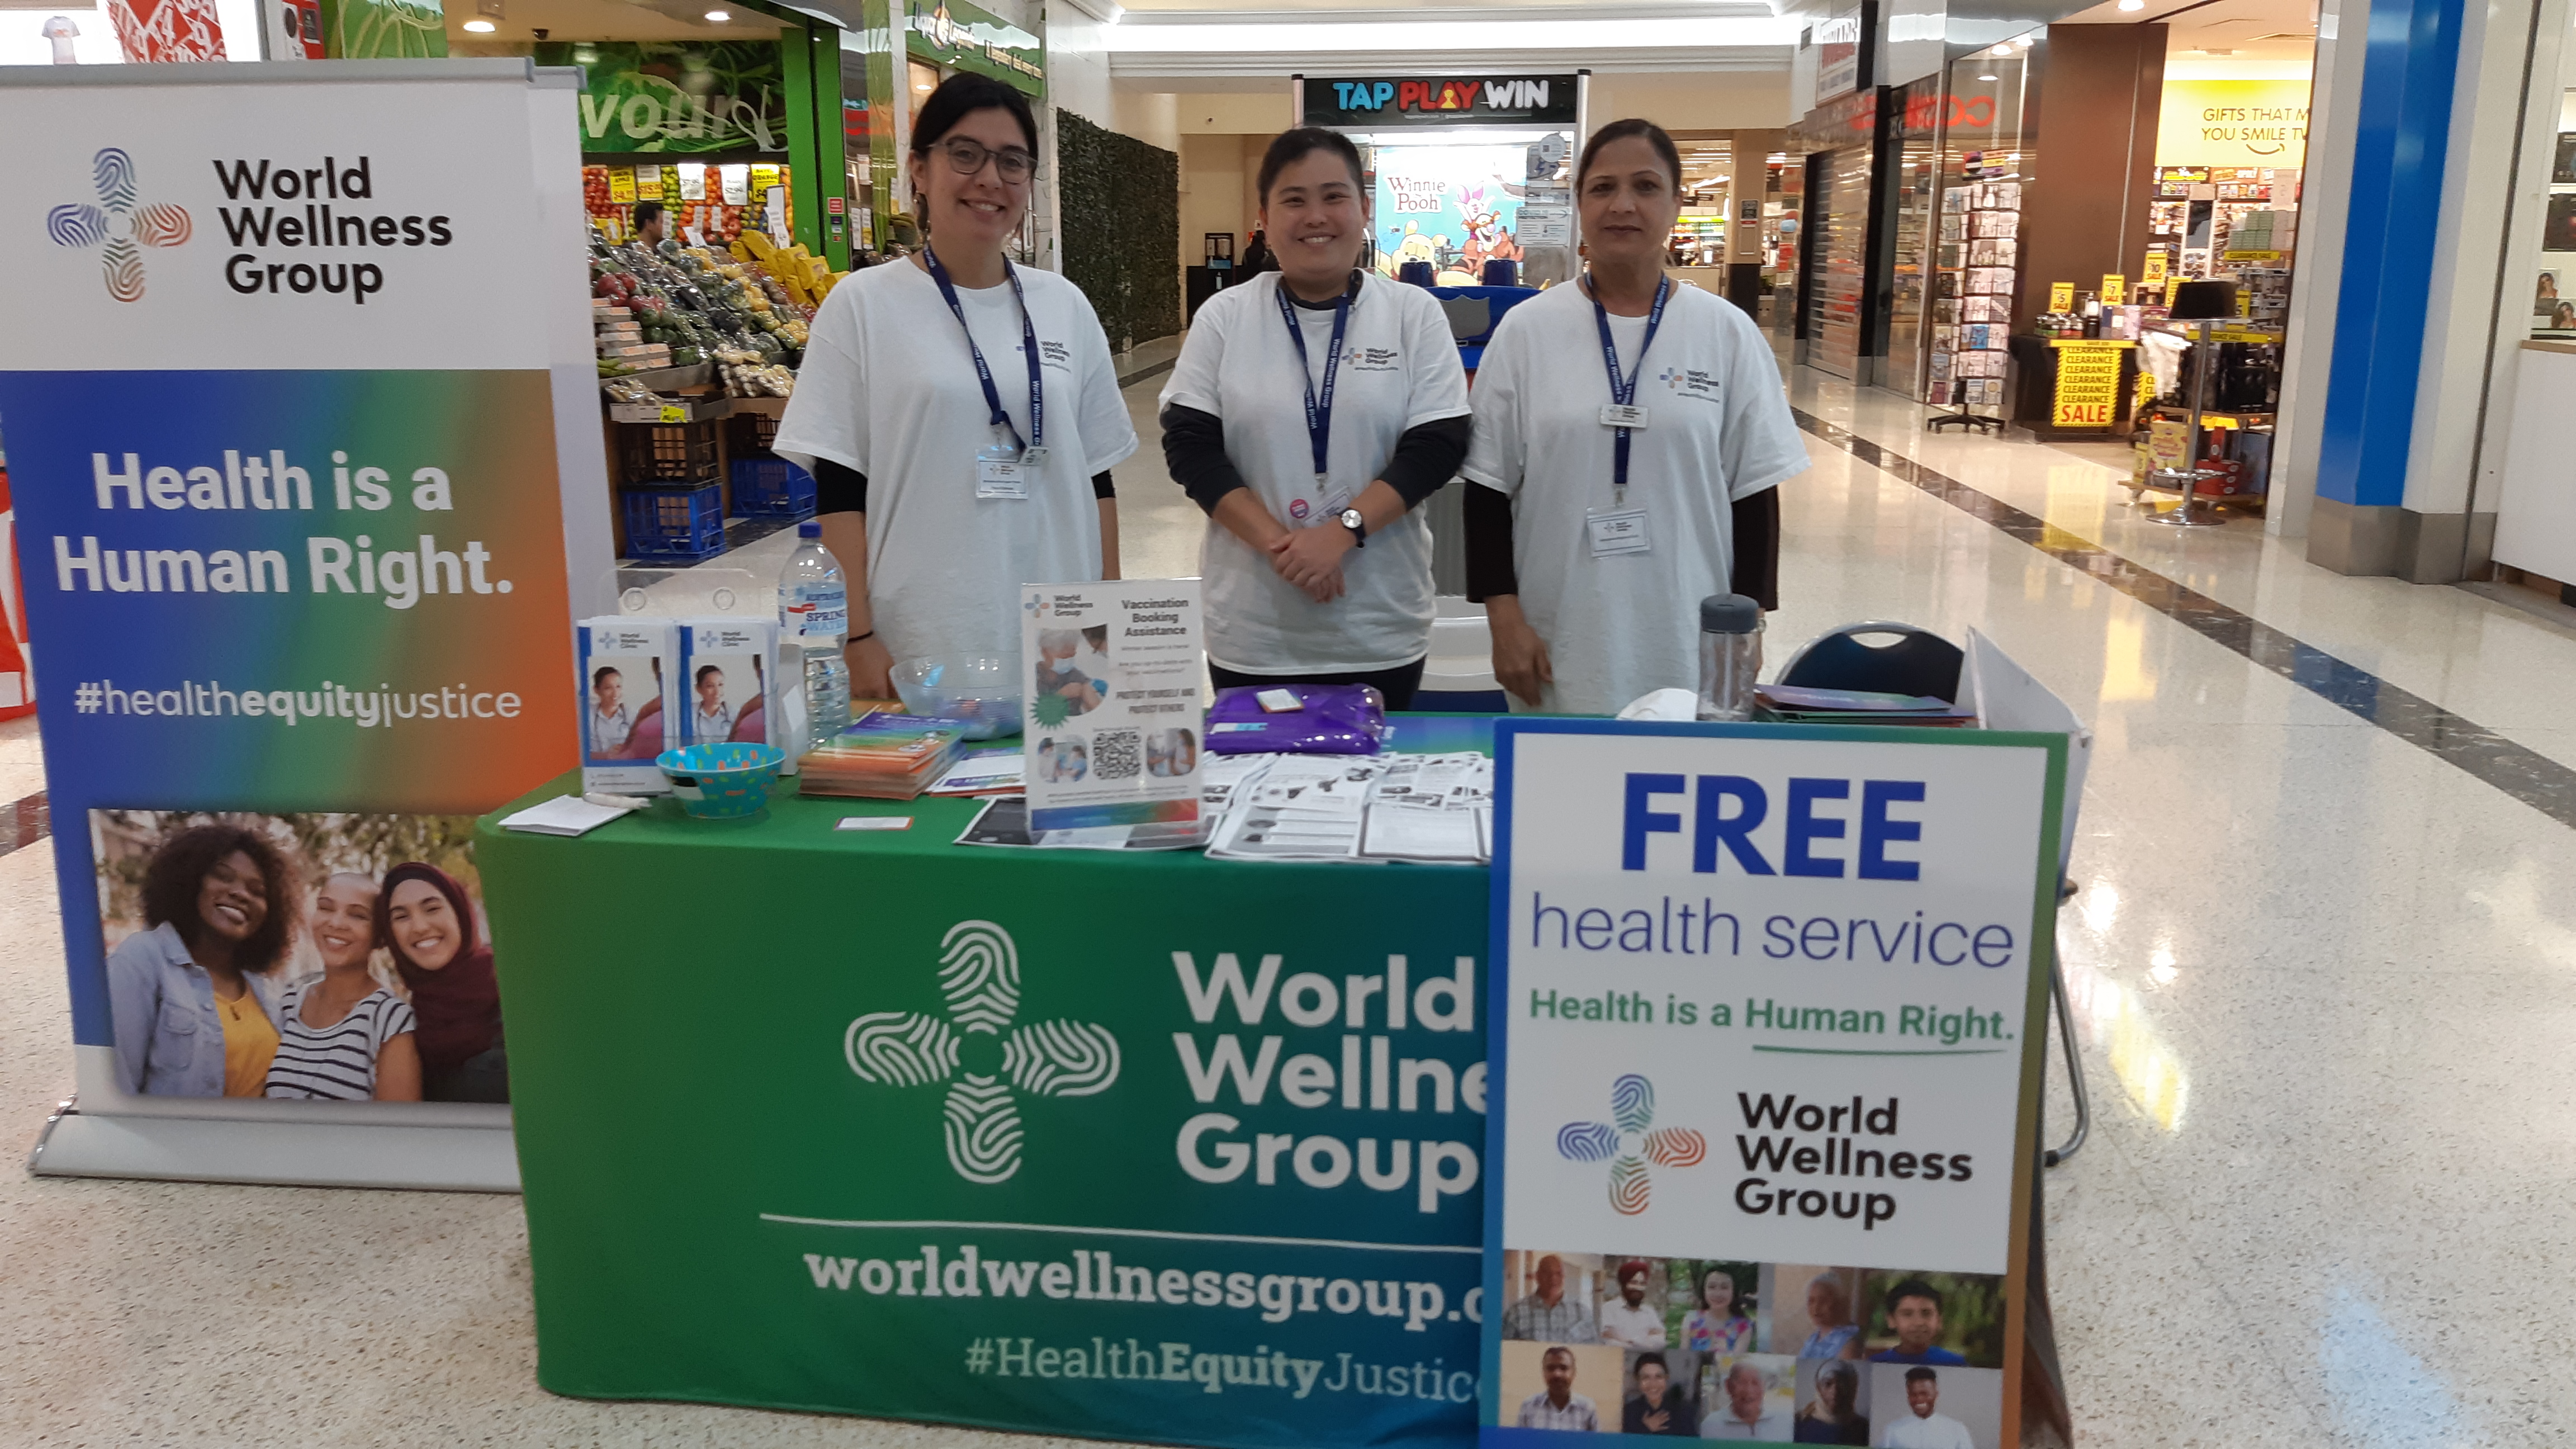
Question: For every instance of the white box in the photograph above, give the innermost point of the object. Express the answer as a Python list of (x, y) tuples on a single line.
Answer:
[(629, 702), (735, 659)]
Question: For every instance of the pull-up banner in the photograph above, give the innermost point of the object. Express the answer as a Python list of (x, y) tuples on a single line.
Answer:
[(306, 469), (1391, 102), (1766, 1041)]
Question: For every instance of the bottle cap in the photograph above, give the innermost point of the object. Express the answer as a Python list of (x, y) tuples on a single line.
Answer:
[(809, 529), (1729, 614)]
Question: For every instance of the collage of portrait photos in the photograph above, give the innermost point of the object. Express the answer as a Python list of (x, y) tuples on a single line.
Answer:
[(1771, 1353)]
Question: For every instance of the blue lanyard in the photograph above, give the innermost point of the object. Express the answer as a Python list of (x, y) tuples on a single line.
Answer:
[(1319, 411), (1623, 390), (984, 373)]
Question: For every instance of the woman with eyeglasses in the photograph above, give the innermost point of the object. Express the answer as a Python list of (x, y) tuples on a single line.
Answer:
[(1311, 410), (1630, 435), (960, 415)]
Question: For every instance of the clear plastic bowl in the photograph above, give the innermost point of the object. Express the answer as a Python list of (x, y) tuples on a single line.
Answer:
[(978, 691)]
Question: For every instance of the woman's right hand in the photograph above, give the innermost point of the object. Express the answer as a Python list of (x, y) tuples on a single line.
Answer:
[(871, 668), (1520, 656)]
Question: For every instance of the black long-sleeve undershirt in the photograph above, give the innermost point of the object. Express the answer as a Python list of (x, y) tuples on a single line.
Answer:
[(1425, 458), (1756, 566), (839, 489)]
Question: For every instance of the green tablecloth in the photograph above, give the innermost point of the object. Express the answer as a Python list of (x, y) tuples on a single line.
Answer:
[(1048, 1140)]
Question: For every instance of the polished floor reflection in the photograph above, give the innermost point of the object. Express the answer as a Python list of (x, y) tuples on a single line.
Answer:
[(2322, 952)]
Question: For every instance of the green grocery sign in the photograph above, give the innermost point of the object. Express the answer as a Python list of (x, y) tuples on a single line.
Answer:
[(677, 97), (383, 29), (962, 37)]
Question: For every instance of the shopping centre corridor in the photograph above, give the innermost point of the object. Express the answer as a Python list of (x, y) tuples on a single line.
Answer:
[(2322, 951)]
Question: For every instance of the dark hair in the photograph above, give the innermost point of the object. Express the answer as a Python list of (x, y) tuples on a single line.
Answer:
[(1295, 144), (1656, 1359), (1911, 1288), (706, 669), (600, 675), (960, 96), (646, 211), (1622, 130), (441, 882), (178, 872), (1921, 1376)]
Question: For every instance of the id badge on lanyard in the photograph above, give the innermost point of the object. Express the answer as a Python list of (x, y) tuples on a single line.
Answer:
[(1620, 529), (1319, 408), (1003, 468)]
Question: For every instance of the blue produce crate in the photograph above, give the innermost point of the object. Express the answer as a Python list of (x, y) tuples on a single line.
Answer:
[(772, 487), (682, 523)]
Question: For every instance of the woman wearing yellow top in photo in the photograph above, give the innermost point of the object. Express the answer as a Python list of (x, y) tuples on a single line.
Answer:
[(193, 999)]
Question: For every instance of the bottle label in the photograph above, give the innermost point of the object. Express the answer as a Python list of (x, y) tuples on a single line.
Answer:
[(818, 611)]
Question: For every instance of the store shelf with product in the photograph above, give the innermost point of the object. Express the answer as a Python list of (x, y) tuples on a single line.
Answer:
[(1976, 266), (690, 337)]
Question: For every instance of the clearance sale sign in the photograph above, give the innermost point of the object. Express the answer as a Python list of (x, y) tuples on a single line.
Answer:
[(303, 443), (1766, 1029)]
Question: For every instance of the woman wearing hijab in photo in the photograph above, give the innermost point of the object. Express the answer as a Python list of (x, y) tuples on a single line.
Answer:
[(1715, 1326), (428, 924), (342, 1037), (192, 999)]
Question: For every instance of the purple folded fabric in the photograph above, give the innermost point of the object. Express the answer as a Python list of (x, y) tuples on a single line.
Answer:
[(1324, 719)]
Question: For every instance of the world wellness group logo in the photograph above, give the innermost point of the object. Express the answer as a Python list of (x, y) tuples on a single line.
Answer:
[(1630, 1140), (979, 975), (118, 224)]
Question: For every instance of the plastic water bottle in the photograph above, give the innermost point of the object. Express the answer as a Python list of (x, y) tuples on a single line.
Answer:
[(1730, 656), (814, 622)]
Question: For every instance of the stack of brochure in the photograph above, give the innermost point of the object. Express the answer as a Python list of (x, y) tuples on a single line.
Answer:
[(885, 756), (1794, 704), (1436, 808)]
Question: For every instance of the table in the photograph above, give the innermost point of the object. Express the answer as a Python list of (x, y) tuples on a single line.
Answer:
[(1060, 1141)]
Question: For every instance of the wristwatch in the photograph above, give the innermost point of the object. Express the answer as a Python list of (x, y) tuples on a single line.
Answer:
[(1358, 525)]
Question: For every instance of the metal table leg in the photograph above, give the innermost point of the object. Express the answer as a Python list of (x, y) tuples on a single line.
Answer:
[(2074, 1069)]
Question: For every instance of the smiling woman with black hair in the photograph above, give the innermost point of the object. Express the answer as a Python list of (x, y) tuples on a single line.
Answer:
[(1630, 433), (191, 999), (960, 415), (1310, 411)]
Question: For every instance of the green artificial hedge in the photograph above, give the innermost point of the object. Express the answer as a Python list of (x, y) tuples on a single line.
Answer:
[(1121, 205)]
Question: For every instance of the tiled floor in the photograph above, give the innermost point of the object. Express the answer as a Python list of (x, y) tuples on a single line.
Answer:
[(2325, 979)]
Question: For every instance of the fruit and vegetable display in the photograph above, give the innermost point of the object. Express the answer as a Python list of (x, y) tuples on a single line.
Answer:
[(609, 194), (676, 306)]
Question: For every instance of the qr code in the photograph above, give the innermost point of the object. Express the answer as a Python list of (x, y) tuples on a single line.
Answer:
[(1115, 755)]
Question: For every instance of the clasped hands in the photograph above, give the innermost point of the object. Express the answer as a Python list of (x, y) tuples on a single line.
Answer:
[(1311, 559)]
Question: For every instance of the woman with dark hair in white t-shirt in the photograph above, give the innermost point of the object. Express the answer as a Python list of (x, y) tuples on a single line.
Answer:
[(960, 415), (342, 1037), (1311, 409), (1630, 431)]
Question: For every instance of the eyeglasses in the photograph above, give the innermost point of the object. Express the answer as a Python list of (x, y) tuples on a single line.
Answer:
[(968, 157)]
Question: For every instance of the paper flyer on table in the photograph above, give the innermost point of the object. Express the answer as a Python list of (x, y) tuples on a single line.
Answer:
[(1114, 711)]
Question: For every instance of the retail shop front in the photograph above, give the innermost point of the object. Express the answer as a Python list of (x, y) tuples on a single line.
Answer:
[(1839, 317)]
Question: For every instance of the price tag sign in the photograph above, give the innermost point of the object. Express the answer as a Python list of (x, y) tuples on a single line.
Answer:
[(2115, 289), (674, 414), (2061, 296), (2153, 275)]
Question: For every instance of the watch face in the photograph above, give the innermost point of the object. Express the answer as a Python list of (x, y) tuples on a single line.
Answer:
[(1351, 519)]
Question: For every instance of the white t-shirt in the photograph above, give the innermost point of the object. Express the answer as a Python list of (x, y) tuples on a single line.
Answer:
[(1934, 1431), (1638, 1327), (1718, 430), (1399, 370), (888, 388)]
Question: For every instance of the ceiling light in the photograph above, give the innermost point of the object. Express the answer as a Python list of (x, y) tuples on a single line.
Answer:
[(479, 27), (1985, 77), (2206, 50), (2133, 4), (719, 17)]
